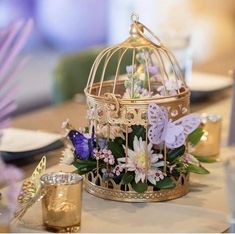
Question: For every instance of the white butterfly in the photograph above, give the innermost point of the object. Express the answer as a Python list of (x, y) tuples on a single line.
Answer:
[(172, 133)]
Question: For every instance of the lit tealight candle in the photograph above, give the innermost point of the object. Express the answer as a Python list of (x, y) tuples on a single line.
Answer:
[(209, 144)]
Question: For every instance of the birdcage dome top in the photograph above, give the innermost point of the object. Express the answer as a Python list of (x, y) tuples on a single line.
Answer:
[(139, 68)]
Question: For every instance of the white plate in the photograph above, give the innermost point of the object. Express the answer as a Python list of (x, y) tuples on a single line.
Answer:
[(16, 140), (206, 83)]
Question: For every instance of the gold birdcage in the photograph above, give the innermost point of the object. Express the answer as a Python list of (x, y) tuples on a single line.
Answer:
[(123, 81)]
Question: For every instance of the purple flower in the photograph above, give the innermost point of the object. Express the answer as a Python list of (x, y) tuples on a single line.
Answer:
[(153, 70), (130, 69), (9, 176), (102, 143), (12, 195), (9, 173), (107, 173)]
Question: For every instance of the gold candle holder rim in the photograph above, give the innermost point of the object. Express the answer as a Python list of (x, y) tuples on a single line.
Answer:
[(209, 117), (61, 178)]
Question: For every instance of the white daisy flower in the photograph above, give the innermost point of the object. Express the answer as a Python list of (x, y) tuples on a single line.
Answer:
[(137, 162)]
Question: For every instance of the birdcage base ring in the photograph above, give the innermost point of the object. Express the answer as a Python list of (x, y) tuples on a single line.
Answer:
[(112, 191)]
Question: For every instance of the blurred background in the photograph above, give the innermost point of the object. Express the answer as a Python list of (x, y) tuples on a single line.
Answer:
[(204, 28)]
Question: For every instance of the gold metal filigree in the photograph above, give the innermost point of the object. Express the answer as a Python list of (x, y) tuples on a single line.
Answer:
[(118, 192)]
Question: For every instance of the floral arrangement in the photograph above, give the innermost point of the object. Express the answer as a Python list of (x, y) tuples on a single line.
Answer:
[(146, 164), (136, 86)]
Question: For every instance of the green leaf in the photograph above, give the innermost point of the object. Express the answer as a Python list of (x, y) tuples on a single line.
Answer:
[(84, 166), (195, 136), (128, 178), (166, 183), (84, 163), (204, 159), (197, 169), (85, 170), (175, 153), (140, 187), (116, 148), (137, 130)]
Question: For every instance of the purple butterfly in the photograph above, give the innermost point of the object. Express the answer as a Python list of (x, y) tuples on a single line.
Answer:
[(163, 130), (83, 145)]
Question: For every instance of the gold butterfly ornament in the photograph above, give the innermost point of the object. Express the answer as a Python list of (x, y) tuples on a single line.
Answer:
[(30, 190)]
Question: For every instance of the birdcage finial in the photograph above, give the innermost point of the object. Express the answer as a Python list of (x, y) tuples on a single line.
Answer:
[(134, 17)]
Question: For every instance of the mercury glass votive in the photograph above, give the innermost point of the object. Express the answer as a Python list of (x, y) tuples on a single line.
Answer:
[(209, 145), (230, 184), (62, 201)]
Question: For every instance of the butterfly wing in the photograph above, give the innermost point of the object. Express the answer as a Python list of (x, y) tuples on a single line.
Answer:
[(189, 122), (178, 130), (31, 189), (157, 118), (80, 143), (174, 136)]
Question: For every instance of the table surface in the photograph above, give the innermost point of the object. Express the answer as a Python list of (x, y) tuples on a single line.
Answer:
[(207, 191)]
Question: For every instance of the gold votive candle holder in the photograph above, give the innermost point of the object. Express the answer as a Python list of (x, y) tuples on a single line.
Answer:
[(62, 201), (209, 145)]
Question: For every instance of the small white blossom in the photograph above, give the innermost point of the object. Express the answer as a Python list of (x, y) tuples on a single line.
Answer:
[(189, 158), (117, 170), (191, 148), (104, 154), (170, 87), (65, 124), (155, 176), (68, 157)]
